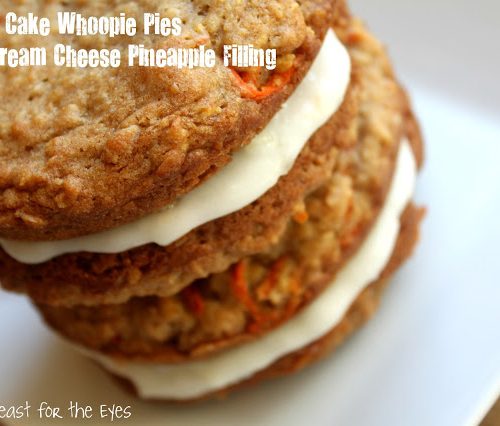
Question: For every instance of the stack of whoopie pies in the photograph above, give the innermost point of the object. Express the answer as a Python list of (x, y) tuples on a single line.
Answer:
[(197, 230)]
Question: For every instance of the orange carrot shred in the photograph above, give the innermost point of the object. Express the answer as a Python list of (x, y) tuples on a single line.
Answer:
[(260, 319), (349, 238), (354, 38), (294, 301), (301, 217), (193, 300), (271, 279), (239, 285), (249, 89)]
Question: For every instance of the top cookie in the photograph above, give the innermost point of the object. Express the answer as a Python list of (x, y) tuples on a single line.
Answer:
[(82, 150)]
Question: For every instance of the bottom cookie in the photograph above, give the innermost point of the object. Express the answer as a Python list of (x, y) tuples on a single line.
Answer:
[(360, 310)]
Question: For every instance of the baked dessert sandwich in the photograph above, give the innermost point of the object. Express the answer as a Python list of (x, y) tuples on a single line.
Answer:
[(194, 231)]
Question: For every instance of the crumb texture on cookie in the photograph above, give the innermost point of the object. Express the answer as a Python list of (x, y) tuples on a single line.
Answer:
[(322, 326), (214, 313), (88, 149), (271, 155), (365, 134)]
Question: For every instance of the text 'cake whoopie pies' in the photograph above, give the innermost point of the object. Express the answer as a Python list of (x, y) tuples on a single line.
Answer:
[(197, 230)]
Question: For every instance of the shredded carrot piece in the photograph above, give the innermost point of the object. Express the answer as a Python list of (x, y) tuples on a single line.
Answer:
[(349, 238), (202, 41), (274, 318), (249, 89), (255, 327), (294, 300), (239, 285), (193, 300), (301, 217), (263, 320), (240, 288), (271, 279), (354, 37)]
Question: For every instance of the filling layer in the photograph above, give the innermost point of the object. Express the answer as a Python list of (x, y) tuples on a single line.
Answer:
[(253, 171), (198, 378)]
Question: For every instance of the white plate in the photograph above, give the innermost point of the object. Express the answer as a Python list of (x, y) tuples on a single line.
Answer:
[(432, 354)]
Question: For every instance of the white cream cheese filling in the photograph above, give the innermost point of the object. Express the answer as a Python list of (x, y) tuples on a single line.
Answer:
[(253, 170), (195, 379)]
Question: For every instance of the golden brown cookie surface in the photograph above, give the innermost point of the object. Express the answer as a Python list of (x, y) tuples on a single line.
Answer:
[(264, 290), (361, 310), (88, 149), (91, 279)]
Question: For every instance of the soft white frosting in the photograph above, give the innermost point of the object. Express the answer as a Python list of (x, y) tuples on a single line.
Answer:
[(253, 170), (194, 379)]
